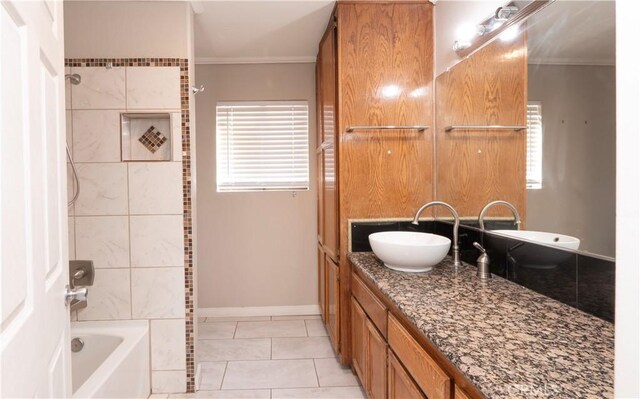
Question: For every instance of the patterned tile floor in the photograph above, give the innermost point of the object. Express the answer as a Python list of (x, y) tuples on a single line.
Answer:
[(269, 357)]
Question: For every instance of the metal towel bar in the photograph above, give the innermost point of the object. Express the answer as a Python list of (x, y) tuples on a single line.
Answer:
[(419, 128), (493, 127)]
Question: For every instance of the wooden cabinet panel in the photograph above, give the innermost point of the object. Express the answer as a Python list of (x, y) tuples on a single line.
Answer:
[(386, 68), (400, 384), (376, 363), (479, 166), (460, 394), (358, 339), (319, 130), (333, 308), (320, 194), (328, 87), (375, 309), (425, 370), (322, 284), (330, 202)]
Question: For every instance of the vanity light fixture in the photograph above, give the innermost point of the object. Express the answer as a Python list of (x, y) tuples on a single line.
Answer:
[(504, 18)]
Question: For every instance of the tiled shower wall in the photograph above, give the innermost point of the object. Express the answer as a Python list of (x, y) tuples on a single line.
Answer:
[(130, 216)]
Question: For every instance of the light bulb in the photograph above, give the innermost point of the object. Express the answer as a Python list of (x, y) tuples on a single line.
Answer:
[(510, 33)]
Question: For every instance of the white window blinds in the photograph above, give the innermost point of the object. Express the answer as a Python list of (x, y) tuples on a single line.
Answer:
[(262, 145), (534, 145)]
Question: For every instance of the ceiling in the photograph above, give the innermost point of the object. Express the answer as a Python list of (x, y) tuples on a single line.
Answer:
[(573, 33), (268, 31)]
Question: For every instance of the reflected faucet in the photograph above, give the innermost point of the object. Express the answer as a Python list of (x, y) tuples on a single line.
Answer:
[(456, 248), (513, 209)]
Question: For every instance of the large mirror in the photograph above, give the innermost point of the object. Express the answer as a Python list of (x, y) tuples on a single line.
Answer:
[(569, 160), (571, 144)]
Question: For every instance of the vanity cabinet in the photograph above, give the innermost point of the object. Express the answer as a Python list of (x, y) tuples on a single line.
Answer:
[(374, 70), (333, 296), (369, 351), (401, 385), (388, 358), (322, 284)]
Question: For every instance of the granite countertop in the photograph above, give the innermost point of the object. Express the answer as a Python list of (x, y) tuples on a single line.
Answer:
[(509, 341)]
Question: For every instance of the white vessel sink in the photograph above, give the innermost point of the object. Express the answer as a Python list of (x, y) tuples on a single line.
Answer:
[(408, 251), (558, 240)]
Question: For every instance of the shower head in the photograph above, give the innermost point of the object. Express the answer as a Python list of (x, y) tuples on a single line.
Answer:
[(74, 78)]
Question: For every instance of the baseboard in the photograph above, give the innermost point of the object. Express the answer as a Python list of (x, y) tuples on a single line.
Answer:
[(260, 311)]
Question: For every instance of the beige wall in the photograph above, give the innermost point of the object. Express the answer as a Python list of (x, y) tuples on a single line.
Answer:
[(121, 29), (579, 137), (255, 249)]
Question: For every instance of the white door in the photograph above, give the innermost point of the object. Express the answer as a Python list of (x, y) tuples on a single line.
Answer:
[(34, 329)]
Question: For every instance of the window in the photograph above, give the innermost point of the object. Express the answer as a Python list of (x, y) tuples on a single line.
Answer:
[(534, 145), (262, 145)]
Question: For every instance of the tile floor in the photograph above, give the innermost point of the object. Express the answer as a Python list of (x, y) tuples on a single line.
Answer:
[(269, 357)]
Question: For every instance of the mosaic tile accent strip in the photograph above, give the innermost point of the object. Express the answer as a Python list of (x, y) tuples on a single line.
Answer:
[(509, 341), (183, 63), (152, 139)]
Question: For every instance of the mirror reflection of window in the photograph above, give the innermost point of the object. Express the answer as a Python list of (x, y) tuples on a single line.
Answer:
[(534, 145)]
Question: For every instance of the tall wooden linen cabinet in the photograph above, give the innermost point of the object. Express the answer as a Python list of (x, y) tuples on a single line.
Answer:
[(374, 87)]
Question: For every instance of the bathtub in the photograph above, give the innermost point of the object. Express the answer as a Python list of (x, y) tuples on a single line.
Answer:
[(114, 362)]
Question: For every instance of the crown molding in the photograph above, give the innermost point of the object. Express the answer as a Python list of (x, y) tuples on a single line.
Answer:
[(255, 60)]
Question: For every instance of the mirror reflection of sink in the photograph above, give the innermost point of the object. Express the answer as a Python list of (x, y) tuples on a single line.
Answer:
[(558, 240), (409, 251)]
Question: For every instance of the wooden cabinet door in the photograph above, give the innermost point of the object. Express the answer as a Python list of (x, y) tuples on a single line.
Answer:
[(460, 394), (330, 201), (328, 85), (322, 284), (376, 363), (329, 147), (386, 79), (333, 303), (320, 194), (401, 386), (358, 339)]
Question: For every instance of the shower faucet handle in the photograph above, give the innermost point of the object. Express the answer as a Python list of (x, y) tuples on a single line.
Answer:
[(79, 294), (81, 273)]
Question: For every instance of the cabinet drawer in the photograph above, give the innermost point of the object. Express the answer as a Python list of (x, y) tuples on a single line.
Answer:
[(375, 309), (433, 381)]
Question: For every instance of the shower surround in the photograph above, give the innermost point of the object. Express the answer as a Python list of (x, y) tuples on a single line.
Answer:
[(134, 219)]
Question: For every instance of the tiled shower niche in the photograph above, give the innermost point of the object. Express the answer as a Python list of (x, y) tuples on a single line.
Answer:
[(146, 136)]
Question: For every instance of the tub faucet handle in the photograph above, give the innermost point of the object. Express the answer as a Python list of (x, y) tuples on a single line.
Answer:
[(79, 294)]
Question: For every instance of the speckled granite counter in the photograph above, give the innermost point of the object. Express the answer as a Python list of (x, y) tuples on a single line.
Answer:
[(510, 342)]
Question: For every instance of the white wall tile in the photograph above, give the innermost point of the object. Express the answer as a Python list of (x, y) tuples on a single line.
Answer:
[(176, 136), (67, 89), (100, 88), (168, 344), (174, 381), (157, 241), (68, 116), (109, 297), (153, 87), (96, 136), (71, 230), (103, 239), (103, 189), (155, 188), (157, 293)]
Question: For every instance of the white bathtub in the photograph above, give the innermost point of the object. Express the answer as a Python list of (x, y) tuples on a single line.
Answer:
[(114, 362)]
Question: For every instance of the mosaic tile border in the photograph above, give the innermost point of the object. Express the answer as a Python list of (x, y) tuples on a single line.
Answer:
[(187, 215)]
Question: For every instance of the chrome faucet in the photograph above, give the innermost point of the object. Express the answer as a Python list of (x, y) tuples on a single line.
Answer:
[(456, 248), (513, 209)]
